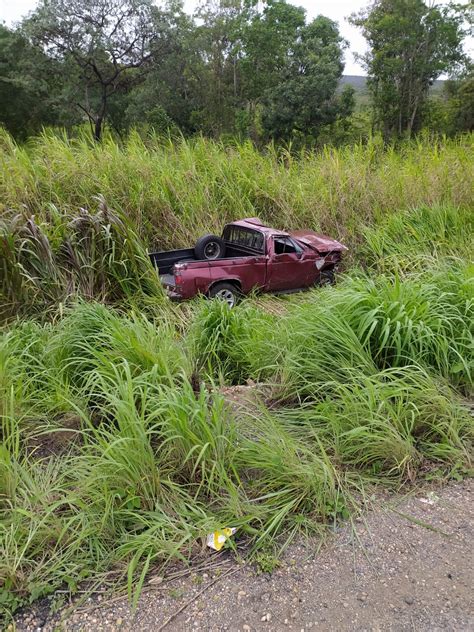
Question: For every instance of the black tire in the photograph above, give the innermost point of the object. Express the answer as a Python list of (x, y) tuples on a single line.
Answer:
[(225, 292), (209, 247), (327, 277)]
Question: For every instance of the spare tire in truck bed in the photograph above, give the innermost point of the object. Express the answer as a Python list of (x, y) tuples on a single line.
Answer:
[(209, 247)]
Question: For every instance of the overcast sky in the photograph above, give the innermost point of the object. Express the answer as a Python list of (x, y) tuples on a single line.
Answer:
[(13, 10)]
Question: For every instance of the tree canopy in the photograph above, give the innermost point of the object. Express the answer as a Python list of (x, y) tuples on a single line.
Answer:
[(28, 88), (246, 68), (411, 43), (104, 39)]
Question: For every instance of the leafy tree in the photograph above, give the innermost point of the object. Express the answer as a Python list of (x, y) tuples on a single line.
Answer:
[(305, 100), (411, 44), (164, 98), (28, 85), (107, 40), (216, 64), (266, 39), (193, 84), (460, 99)]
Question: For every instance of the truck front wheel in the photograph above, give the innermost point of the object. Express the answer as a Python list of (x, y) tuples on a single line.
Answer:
[(225, 292), (326, 277)]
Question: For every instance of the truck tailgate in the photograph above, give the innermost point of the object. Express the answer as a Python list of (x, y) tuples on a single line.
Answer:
[(167, 279)]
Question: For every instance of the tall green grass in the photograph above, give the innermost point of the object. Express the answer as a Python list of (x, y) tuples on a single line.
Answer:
[(416, 239), (366, 324), (364, 394), (77, 220), (172, 191), (355, 384), (158, 465), (92, 255)]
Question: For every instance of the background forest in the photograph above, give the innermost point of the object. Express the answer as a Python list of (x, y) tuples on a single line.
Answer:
[(235, 68)]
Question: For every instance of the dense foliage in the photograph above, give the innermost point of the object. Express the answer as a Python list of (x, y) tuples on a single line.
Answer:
[(247, 68), (411, 44), (240, 68)]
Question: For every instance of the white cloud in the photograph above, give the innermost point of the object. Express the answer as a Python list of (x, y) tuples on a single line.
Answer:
[(12, 11)]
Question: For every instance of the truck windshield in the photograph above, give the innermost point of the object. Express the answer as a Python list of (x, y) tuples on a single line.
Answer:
[(245, 237)]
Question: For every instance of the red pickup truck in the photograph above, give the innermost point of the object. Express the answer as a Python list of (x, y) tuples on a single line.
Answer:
[(248, 256)]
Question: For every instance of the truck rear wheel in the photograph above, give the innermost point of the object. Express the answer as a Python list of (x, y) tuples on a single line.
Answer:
[(209, 247), (225, 292)]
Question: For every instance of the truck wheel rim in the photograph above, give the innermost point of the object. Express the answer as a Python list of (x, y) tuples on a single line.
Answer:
[(212, 250), (227, 296)]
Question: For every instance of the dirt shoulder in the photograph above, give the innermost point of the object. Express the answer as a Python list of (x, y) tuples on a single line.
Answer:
[(407, 566)]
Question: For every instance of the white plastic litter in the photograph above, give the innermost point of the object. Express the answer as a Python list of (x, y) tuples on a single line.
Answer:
[(217, 539), (432, 499)]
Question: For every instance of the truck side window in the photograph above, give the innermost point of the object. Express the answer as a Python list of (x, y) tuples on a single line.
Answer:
[(285, 245)]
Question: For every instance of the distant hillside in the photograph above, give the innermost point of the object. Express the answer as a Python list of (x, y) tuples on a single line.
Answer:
[(359, 83)]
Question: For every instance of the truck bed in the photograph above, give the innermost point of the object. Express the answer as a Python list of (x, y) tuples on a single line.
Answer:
[(164, 261)]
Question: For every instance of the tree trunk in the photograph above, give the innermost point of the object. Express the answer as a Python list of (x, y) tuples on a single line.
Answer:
[(235, 77), (411, 122), (98, 128), (99, 121)]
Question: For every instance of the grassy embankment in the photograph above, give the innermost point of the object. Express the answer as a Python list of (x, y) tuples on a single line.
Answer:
[(162, 195), (365, 380)]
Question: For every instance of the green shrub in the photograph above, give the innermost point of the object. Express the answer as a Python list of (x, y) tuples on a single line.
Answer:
[(415, 321), (226, 343), (415, 238), (93, 336), (90, 255), (387, 423)]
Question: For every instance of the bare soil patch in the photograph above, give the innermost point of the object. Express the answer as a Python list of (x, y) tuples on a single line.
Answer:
[(58, 440)]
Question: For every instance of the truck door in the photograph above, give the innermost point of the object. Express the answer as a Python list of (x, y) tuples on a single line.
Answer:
[(288, 267), (250, 271)]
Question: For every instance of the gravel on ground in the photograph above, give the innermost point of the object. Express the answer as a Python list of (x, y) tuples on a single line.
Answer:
[(406, 565)]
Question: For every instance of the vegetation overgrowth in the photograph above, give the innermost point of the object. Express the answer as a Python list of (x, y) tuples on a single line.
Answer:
[(171, 190), (76, 219), (118, 451)]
